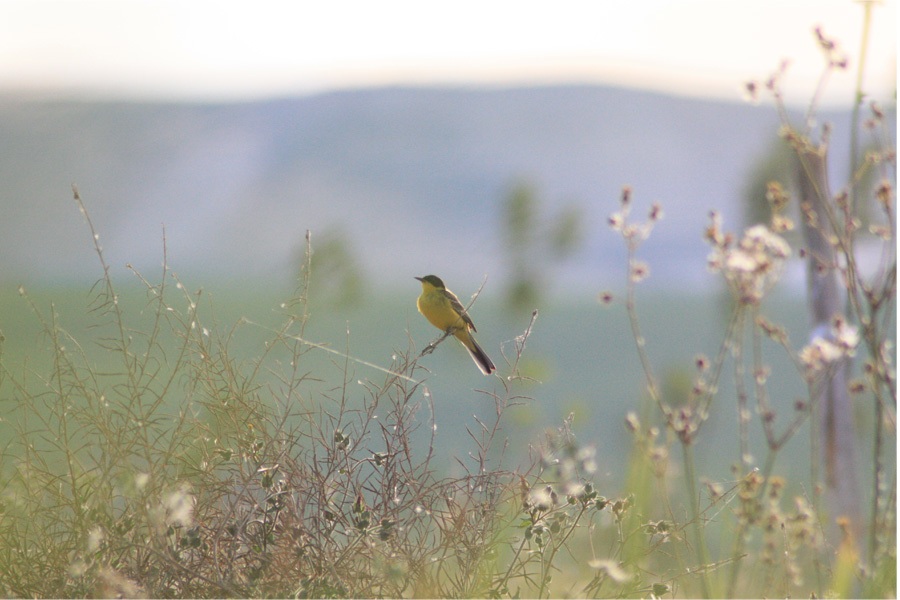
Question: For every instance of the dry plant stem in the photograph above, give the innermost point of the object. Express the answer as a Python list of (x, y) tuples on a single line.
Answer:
[(858, 98), (485, 445), (555, 547), (107, 302), (748, 316), (878, 451), (505, 579), (815, 449), (712, 385), (826, 302), (138, 367), (743, 416), (774, 441), (653, 390), (631, 309), (690, 478), (303, 296)]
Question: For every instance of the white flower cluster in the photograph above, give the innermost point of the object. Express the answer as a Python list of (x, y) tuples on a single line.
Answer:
[(829, 345), (751, 267)]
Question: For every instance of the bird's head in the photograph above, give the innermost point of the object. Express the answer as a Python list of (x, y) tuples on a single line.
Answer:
[(432, 280)]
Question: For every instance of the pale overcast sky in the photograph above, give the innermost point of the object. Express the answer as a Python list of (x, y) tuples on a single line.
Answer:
[(232, 49)]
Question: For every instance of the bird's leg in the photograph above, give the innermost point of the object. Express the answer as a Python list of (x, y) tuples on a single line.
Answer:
[(433, 344)]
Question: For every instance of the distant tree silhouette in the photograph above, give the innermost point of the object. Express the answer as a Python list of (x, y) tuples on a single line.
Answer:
[(335, 273), (532, 242)]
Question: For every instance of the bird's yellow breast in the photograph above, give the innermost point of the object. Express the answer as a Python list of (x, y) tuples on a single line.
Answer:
[(436, 307)]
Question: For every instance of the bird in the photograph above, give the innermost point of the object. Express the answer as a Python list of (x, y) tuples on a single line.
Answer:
[(444, 310)]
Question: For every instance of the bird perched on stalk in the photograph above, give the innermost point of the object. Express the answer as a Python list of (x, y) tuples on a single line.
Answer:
[(444, 310)]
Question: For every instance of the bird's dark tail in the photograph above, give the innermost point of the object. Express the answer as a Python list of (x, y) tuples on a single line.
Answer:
[(481, 359)]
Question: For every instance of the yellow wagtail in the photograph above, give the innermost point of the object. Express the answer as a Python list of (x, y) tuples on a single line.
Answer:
[(444, 310)]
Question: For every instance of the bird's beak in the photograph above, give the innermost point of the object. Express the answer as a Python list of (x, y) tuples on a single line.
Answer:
[(419, 278)]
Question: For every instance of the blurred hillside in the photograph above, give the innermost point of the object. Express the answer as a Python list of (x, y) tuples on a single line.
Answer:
[(412, 179)]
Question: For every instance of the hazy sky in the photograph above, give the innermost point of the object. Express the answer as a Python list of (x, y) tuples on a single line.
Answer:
[(231, 49)]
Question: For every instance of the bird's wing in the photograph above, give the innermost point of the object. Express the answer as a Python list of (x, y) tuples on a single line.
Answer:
[(459, 308)]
